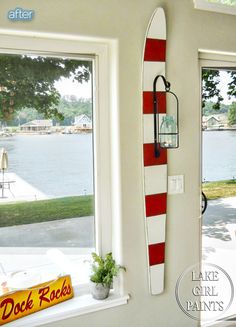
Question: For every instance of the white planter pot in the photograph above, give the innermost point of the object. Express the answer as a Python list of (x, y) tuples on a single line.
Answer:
[(99, 291)]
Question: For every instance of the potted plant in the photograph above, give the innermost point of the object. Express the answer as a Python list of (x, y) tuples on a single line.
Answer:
[(103, 272)]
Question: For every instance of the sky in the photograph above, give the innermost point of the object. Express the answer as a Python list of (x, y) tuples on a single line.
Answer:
[(67, 87), (224, 80)]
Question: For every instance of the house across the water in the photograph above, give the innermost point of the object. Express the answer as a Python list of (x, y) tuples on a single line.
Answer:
[(83, 122), (215, 122), (37, 126)]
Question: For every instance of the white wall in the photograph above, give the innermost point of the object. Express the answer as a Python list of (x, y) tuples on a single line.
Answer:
[(188, 30)]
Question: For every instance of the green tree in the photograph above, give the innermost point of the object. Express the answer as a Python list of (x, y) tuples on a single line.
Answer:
[(224, 2), (70, 107), (232, 114), (210, 86), (209, 110), (23, 116), (232, 84), (28, 81)]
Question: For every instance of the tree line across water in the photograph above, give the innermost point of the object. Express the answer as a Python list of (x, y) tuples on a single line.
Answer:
[(27, 88), (228, 110), (69, 106)]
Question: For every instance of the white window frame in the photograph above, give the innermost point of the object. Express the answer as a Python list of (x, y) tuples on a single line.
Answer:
[(215, 7), (106, 139)]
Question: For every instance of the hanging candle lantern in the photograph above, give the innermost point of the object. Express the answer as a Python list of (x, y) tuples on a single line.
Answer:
[(166, 129), (168, 136)]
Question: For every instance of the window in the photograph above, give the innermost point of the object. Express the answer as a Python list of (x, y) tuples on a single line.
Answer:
[(222, 66), (105, 187), (222, 6), (47, 185)]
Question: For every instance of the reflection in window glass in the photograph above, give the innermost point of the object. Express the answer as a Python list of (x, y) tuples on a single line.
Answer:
[(46, 166)]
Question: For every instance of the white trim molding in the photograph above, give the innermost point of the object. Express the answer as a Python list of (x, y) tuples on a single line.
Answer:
[(219, 59)]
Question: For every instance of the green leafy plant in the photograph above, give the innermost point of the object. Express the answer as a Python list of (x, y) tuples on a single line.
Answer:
[(104, 270)]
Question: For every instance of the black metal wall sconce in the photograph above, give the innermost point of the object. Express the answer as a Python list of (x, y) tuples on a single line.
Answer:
[(166, 133)]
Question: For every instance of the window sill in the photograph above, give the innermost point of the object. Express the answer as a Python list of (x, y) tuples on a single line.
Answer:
[(77, 306)]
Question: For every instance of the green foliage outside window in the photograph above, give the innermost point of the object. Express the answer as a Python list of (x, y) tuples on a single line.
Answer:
[(232, 114), (224, 2), (28, 82), (211, 89)]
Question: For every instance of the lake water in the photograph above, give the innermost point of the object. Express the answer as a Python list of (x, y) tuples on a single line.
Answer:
[(57, 164), (62, 165), (219, 155)]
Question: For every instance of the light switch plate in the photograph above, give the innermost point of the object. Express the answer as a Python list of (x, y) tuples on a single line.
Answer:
[(176, 184)]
